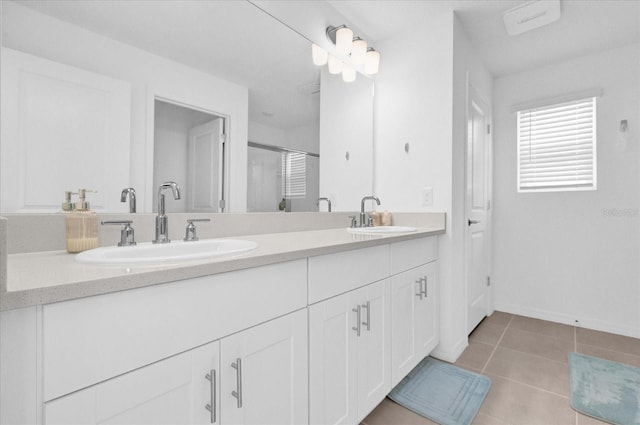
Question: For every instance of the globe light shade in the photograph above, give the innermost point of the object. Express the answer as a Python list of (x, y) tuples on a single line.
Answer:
[(372, 62), (335, 65), (358, 51), (320, 56), (344, 39), (348, 73)]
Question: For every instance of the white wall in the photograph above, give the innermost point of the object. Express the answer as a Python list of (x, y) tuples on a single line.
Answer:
[(346, 128), (38, 34), (421, 100), (572, 256)]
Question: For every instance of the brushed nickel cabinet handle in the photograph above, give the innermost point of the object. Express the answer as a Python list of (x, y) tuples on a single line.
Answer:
[(368, 322), (358, 313), (211, 376), (420, 292), (238, 394), (426, 281)]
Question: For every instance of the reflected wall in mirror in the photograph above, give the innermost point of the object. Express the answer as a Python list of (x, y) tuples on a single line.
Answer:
[(247, 67), (188, 147)]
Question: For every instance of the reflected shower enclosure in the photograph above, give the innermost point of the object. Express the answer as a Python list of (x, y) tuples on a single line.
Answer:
[(280, 179)]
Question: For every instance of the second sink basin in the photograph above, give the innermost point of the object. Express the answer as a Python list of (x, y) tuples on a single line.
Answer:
[(381, 229), (148, 254)]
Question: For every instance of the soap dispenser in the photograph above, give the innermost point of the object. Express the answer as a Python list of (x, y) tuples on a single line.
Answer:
[(82, 225)]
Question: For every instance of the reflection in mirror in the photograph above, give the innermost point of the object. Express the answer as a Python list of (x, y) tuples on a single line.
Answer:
[(281, 179), (189, 149), (167, 46)]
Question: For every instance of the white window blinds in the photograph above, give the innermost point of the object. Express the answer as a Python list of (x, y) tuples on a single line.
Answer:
[(557, 147), (294, 168)]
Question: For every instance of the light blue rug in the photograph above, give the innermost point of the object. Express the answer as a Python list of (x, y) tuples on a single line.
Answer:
[(608, 391), (442, 392)]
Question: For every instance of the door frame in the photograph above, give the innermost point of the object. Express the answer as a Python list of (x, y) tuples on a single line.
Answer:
[(169, 96), (472, 93)]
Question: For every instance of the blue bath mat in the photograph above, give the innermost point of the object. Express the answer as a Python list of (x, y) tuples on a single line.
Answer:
[(442, 392), (605, 390)]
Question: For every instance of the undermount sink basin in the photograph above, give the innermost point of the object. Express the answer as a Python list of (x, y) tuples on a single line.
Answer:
[(148, 254), (381, 230)]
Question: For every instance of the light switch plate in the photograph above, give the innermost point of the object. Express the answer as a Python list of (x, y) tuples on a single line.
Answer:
[(426, 196)]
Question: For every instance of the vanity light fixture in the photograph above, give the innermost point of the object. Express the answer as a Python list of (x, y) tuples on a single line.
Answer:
[(335, 65), (350, 53), (358, 51), (372, 61), (320, 56), (348, 73)]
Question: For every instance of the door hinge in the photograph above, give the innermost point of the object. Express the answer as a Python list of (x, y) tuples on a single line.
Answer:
[(488, 128), (221, 204), (489, 204), (488, 280)]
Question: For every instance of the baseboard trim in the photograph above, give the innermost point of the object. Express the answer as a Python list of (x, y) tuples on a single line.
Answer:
[(450, 354), (581, 322)]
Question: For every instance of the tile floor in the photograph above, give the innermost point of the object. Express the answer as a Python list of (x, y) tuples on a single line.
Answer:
[(526, 360)]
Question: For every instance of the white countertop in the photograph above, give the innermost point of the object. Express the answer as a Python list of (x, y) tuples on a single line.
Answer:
[(53, 276)]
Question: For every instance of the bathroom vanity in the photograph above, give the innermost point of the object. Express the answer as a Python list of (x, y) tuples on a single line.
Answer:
[(310, 327)]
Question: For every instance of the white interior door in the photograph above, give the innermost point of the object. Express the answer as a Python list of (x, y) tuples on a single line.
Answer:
[(477, 205), (205, 171)]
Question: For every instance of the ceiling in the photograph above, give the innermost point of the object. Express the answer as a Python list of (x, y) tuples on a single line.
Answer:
[(585, 26), (238, 42)]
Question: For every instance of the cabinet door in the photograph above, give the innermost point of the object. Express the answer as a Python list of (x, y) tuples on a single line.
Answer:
[(428, 323), (264, 373), (332, 360), (171, 391), (414, 319), (374, 346)]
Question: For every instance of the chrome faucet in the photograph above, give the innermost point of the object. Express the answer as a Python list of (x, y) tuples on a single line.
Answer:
[(328, 202), (132, 198), (162, 223), (363, 216)]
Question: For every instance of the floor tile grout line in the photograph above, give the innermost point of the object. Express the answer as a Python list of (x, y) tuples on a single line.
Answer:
[(626, 353), (537, 356), (496, 346), (515, 381)]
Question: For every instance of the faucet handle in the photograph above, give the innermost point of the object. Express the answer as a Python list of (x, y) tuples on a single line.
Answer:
[(353, 223), (190, 231), (127, 237)]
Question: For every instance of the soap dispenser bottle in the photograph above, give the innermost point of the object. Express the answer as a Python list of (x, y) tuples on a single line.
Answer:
[(82, 226)]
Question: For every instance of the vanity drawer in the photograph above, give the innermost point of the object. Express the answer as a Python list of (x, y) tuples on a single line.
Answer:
[(89, 340), (406, 255), (333, 274)]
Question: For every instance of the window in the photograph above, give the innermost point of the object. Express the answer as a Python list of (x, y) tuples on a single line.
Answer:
[(557, 147), (294, 168)]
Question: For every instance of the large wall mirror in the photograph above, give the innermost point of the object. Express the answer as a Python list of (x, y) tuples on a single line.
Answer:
[(221, 71)]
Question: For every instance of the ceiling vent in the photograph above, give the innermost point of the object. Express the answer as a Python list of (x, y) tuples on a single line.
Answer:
[(531, 15)]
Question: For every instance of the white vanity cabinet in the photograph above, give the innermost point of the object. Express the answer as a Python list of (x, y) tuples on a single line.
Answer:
[(263, 373), (257, 376), (349, 337), (414, 305), (171, 391), (142, 355)]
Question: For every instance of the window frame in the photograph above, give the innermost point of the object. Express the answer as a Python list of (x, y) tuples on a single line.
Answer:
[(566, 185)]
